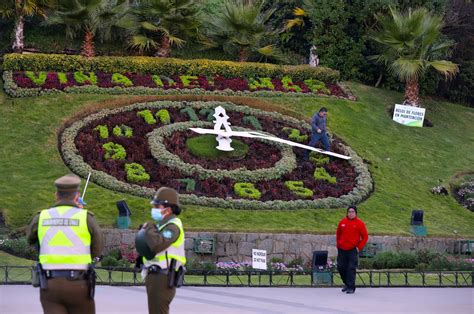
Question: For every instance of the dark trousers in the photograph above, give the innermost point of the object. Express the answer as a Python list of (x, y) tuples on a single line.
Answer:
[(346, 266), (65, 296), (315, 138), (159, 294)]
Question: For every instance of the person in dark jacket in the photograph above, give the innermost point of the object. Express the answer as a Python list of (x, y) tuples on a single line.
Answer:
[(319, 131), (351, 237)]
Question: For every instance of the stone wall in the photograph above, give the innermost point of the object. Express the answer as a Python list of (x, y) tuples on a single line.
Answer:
[(238, 246)]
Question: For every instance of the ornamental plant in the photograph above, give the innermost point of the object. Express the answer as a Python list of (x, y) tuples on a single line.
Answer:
[(317, 86), (121, 79), (147, 116), (318, 159), (37, 79), (164, 116), (188, 80), (253, 121), (114, 151), (247, 190), (136, 173), (295, 135), (298, 188), (81, 78), (288, 84), (321, 174), (191, 113), (190, 184), (123, 130), (261, 82), (103, 131), (62, 78)]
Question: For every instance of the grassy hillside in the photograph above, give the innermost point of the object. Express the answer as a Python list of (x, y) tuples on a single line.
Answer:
[(405, 163)]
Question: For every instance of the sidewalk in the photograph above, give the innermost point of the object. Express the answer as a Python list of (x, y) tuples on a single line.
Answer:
[(25, 299)]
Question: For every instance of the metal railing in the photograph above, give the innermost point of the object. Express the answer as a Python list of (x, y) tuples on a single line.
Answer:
[(251, 278)]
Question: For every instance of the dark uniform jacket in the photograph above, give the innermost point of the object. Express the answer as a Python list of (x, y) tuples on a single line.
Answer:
[(157, 240), (97, 242)]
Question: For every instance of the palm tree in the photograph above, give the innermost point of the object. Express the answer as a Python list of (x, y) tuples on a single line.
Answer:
[(17, 10), (242, 28), (411, 43), (163, 24), (91, 17)]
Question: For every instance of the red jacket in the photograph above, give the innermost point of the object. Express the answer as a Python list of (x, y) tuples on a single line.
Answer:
[(351, 234)]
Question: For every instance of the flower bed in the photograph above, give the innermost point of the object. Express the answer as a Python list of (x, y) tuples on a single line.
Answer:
[(160, 149), (28, 83)]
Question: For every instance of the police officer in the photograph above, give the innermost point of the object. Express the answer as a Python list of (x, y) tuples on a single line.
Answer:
[(69, 238), (165, 240)]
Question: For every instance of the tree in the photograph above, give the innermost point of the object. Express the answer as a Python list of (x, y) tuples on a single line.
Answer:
[(18, 10), (241, 28), (411, 43), (91, 17), (163, 24)]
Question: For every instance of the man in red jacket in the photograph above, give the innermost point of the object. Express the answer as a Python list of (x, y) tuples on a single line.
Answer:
[(351, 237)]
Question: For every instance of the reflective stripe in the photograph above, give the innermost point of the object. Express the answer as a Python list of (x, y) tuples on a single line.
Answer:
[(64, 238), (176, 250)]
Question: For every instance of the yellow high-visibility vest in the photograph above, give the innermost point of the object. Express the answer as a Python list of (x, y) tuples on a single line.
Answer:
[(65, 241), (176, 250)]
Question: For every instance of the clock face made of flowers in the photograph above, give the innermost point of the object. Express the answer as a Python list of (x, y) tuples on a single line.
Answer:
[(138, 148)]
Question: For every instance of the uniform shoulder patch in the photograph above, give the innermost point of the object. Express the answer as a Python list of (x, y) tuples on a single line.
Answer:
[(168, 234)]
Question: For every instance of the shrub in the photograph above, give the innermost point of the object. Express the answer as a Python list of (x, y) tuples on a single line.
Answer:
[(121, 79), (164, 66), (253, 121), (114, 151), (147, 116), (109, 261), (20, 247), (247, 190), (164, 116), (366, 263), (122, 130), (407, 260), (386, 259), (136, 173), (103, 131), (82, 78), (318, 159), (294, 135), (298, 188), (191, 113), (321, 174), (425, 256), (39, 79)]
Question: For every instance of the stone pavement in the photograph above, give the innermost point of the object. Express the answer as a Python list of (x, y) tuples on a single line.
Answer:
[(25, 299)]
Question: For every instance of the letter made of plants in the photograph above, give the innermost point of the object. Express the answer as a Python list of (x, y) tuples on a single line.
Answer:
[(140, 147)]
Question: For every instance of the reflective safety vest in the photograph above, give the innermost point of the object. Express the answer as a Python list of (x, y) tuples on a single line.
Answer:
[(65, 241), (175, 250)]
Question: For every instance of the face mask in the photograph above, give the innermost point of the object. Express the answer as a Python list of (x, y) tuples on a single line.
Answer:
[(156, 214)]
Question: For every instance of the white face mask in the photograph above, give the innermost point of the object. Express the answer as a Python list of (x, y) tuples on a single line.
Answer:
[(156, 214)]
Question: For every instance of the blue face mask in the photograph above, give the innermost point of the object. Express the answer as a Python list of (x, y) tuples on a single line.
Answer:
[(156, 214)]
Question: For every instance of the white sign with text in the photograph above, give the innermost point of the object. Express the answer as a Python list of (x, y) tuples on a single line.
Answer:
[(259, 259), (409, 115)]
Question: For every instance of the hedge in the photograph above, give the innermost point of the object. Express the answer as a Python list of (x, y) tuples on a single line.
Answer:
[(164, 66)]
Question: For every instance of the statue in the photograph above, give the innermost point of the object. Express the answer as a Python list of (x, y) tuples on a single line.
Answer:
[(313, 57), (221, 121)]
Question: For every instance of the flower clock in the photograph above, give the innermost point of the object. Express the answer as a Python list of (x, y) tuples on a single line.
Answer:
[(140, 147)]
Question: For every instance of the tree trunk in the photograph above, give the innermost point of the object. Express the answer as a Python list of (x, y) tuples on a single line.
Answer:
[(411, 93), (243, 54), (87, 48), (18, 42), (165, 48)]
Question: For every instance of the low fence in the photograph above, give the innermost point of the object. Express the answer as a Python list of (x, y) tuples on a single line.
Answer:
[(251, 278)]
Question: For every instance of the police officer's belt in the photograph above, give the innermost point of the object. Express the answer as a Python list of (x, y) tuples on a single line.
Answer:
[(155, 269), (70, 274)]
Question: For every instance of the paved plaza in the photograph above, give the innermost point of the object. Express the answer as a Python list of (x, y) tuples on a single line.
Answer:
[(25, 299)]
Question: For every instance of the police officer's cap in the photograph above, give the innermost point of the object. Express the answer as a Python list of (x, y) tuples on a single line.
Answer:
[(165, 196), (141, 246), (68, 183)]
